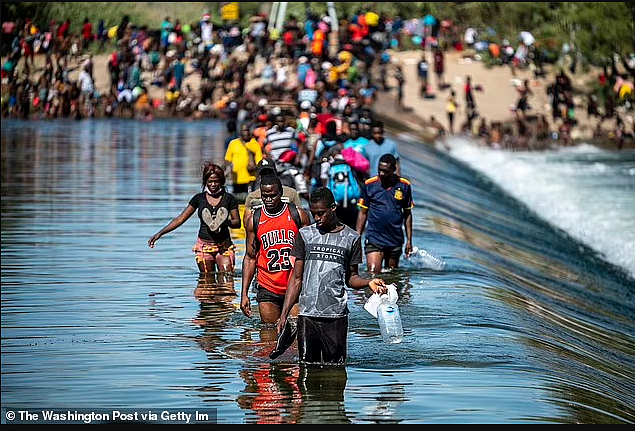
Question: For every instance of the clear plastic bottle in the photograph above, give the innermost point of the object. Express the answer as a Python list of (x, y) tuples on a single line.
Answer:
[(389, 321), (422, 258)]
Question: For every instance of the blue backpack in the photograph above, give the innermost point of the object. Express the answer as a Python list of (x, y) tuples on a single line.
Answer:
[(344, 185)]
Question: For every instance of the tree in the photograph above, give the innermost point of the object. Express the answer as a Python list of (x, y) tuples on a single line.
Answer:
[(604, 29)]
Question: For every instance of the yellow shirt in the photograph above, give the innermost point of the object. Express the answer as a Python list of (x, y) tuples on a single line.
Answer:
[(451, 106), (238, 156)]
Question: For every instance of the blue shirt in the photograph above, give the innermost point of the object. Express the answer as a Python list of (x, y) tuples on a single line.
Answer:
[(374, 151), (302, 71), (358, 145), (384, 226), (423, 69)]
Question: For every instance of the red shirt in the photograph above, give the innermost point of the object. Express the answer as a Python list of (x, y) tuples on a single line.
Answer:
[(324, 118), (87, 30), (288, 37), (275, 235), (63, 30), (8, 27)]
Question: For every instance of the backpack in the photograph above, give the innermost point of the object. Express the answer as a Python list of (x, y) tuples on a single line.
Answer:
[(344, 185), (295, 215), (327, 146)]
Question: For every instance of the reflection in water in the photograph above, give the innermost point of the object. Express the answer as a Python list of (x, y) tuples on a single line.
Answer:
[(322, 389), (281, 393), (214, 286), (272, 393), (388, 401), (215, 293)]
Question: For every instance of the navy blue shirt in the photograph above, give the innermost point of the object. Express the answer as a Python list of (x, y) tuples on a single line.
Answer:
[(384, 226)]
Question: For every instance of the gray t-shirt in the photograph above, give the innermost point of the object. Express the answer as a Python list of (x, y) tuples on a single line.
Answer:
[(327, 259)]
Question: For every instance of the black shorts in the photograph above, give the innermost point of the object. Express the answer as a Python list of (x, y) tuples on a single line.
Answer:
[(322, 340), (264, 295), (389, 252)]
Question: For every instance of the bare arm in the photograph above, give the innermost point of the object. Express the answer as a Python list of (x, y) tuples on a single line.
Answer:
[(228, 169), (362, 216), (408, 224), (249, 266), (234, 219), (301, 150), (246, 215), (356, 281), (312, 155), (175, 223), (293, 293), (295, 281)]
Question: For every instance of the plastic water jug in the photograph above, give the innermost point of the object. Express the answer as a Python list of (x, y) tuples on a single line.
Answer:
[(389, 321)]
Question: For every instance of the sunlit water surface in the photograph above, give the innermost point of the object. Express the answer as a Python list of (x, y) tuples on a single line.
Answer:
[(525, 324)]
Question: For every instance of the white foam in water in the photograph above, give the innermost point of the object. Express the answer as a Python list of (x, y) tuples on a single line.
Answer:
[(577, 189)]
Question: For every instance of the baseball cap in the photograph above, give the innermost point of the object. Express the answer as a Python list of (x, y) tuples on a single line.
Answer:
[(267, 165)]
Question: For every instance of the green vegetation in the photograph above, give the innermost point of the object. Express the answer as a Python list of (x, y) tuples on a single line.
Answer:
[(141, 13), (598, 29)]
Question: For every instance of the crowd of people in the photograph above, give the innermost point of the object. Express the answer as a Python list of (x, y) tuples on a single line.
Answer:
[(553, 117), (311, 141), (201, 70), (302, 264), (148, 69), (301, 128)]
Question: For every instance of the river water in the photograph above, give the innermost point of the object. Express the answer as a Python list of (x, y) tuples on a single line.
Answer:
[(532, 320)]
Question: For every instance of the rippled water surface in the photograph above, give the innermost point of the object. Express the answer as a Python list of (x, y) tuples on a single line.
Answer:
[(523, 325)]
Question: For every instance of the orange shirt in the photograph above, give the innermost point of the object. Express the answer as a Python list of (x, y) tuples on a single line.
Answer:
[(261, 134), (318, 42)]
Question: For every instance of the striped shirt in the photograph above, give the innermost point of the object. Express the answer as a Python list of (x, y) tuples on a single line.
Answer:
[(279, 141)]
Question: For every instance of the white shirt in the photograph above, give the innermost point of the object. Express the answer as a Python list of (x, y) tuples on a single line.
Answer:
[(86, 82), (281, 76), (470, 35), (206, 32)]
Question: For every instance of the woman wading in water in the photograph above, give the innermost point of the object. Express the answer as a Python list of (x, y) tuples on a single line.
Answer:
[(218, 211)]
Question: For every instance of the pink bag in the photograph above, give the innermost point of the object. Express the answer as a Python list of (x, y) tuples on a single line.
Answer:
[(356, 160), (310, 79)]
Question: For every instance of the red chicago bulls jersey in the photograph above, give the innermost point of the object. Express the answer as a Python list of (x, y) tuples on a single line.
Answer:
[(275, 235)]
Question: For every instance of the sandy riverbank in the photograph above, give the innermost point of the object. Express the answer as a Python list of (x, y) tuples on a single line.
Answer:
[(498, 95)]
